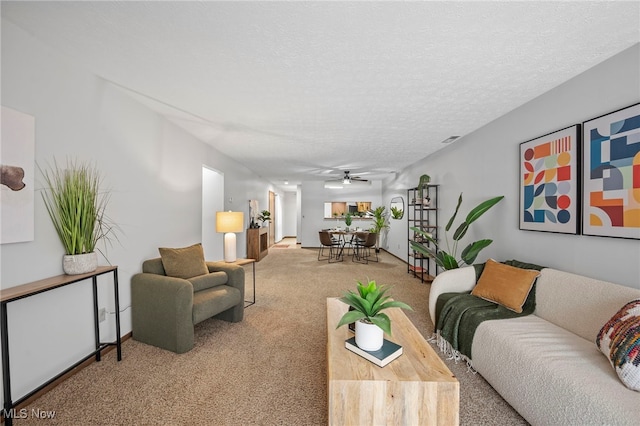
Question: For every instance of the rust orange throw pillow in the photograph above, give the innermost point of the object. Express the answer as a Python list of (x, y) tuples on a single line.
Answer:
[(506, 285)]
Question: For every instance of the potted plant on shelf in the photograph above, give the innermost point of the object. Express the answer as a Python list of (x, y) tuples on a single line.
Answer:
[(371, 323), (76, 206), (422, 183), (447, 259), (265, 216)]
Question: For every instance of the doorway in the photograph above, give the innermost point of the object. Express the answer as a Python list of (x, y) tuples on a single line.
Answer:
[(212, 202)]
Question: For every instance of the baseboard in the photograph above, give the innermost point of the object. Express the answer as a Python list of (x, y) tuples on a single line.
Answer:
[(388, 252), (70, 374)]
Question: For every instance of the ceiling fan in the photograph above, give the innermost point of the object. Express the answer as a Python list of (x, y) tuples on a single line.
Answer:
[(347, 179)]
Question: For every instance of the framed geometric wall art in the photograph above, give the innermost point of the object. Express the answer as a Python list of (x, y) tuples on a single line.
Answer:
[(611, 174), (549, 187)]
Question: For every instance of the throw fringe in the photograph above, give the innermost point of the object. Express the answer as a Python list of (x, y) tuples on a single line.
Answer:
[(451, 353)]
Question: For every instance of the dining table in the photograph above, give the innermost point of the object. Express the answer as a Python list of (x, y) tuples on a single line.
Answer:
[(347, 238)]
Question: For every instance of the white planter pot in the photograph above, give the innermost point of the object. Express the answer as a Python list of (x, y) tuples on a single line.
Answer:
[(76, 264), (369, 337)]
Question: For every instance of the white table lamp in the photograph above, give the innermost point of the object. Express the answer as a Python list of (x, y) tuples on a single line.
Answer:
[(229, 223)]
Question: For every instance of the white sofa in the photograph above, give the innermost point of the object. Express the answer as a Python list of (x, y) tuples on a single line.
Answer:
[(547, 365)]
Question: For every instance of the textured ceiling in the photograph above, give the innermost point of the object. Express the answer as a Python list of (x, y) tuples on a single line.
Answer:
[(295, 90)]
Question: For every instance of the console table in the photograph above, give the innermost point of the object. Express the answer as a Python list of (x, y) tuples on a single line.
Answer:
[(257, 243), (22, 291)]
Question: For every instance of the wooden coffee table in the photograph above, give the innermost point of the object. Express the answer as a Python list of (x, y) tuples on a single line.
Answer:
[(415, 389)]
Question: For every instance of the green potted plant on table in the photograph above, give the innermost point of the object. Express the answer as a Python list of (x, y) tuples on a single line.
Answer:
[(265, 216), (371, 323), (348, 219), (447, 259), (76, 207)]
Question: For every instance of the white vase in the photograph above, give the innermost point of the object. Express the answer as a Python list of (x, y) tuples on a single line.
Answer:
[(76, 264), (369, 337)]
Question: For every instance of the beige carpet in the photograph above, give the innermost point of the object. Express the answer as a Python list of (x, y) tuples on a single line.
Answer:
[(269, 369), (287, 242)]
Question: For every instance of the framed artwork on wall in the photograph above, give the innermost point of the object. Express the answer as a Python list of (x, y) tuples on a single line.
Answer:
[(611, 174), (549, 187), (17, 176)]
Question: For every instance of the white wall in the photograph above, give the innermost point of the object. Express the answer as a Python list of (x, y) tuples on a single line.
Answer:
[(485, 163), (154, 170), (314, 195), (278, 215)]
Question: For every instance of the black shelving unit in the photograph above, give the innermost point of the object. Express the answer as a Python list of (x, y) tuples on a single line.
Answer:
[(425, 217)]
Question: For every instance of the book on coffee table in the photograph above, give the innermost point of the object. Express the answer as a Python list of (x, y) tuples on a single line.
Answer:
[(383, 356)]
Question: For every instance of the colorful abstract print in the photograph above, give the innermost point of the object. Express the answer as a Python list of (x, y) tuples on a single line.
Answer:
[(548, 182), (614, 175)]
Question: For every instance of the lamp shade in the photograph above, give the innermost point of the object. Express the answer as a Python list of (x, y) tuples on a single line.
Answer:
[(229, 221)]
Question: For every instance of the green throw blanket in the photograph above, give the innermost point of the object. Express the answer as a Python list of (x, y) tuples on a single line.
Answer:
[(459, 314)]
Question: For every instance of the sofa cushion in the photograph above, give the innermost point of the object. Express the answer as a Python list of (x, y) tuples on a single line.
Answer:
[(202, 282), (506, 285), (550, 375), (619, 341), (184, 262), (212, 301), (557, 301)]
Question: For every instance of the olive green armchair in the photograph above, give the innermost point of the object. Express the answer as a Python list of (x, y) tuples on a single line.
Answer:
[(165, 309)]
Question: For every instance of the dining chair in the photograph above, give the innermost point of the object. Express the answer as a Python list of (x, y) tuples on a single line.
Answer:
[(363, 243), (335, 248)]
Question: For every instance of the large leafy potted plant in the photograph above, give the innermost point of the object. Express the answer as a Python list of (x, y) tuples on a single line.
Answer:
[(380, 223), (371, 323), (447, 259), (76, 207)]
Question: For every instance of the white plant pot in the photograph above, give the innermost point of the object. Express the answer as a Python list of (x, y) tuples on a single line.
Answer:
[(76, 264), (369, 337)]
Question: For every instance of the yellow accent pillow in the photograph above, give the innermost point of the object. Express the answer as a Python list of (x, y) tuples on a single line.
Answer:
[(506, 285), (187, 262)]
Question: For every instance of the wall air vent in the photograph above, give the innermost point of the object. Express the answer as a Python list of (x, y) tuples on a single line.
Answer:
[(450, 139)]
